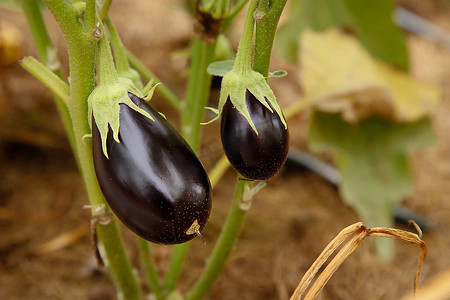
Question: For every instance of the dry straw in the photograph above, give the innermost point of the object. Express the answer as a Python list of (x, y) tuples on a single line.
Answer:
[(348, 240)]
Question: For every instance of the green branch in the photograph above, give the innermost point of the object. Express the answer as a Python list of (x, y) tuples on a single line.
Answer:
[(64, 15), (103, 14), (47, 77), (81, 49), (90, 18), (243, 59), (120, 55), (265, 34), (121, 58), (197, 91)]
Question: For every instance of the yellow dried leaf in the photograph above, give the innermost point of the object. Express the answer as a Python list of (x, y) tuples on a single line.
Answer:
[(339, 75)]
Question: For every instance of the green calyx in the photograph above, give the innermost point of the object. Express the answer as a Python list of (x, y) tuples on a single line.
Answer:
[(133, 75), (241, 78), (111, 91), (234, 86), (104, 107)]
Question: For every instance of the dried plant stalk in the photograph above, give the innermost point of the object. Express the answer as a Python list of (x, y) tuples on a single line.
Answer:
[(323, 257), (352, 236), (406, 237)]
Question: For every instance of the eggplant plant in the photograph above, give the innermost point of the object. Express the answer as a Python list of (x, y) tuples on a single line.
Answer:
[(133, 162)]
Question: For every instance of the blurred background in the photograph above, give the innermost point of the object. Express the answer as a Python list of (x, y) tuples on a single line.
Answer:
[(45, 252)]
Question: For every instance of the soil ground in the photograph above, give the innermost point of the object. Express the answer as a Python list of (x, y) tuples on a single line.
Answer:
[(290, 222)]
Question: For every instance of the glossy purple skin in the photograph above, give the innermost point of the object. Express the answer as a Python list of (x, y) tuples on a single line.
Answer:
[(153, 181), (257, 157)]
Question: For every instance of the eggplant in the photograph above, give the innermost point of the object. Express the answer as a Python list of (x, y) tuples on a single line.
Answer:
[(152, 180), (257, 156)]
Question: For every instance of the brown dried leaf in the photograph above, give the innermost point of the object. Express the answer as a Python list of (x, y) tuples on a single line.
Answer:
[(350, 237)]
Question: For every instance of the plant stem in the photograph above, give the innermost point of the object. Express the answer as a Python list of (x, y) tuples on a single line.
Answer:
[(120, 56), (148, 75), (81, 48), (223, 247), (90, 17), (38, 30), (47, 55), (125, 280), (197, 91), (149, 265), (179, 254), (265, 34), (103, 14), (106, 71), (48, 78), (244, 54)]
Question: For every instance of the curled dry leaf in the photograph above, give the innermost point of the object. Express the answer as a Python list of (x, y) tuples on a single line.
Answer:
[(348, 80), (348, 240)]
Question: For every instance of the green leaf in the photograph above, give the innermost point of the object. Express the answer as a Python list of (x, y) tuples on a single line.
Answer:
[(372, 157), (220, 68), (370, 20)]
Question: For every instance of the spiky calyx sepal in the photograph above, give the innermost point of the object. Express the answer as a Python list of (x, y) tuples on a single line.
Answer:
[(104, 107), (234, 86)]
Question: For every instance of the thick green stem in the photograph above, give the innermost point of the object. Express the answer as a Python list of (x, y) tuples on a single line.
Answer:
[(265, 34), (90, 17), (197, 91), (244, 54), (224, 245), (81, 48)]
